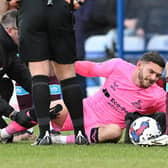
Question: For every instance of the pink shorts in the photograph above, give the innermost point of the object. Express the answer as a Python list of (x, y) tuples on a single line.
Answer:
[(91, 120), (88, 123)]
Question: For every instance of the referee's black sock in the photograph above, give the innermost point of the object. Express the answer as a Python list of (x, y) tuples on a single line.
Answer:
[(72, 96), (41, 102)]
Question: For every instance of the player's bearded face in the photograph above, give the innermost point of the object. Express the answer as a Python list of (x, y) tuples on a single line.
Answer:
[(144, 80), (148, 74)]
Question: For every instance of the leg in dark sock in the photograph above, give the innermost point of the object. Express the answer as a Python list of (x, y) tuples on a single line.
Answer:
[(72, 96), (41, 102), (55, 91), (24, 98)]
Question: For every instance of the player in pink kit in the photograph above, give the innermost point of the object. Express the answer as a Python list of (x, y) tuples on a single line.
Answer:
[(127, 88)]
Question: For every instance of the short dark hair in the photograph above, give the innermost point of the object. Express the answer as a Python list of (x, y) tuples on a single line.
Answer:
[(154, 57), (9, 18)]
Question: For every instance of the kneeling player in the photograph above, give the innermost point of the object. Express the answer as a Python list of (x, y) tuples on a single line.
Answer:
[(26, 119), (97, 131)]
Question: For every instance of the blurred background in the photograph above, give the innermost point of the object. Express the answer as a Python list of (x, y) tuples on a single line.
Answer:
[(120, 28)]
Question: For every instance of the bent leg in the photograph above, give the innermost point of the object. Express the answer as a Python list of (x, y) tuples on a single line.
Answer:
[(109, 133)]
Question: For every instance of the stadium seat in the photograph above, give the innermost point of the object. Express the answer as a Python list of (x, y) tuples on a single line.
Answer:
[(159, 42), (134, 43), (95, 47)]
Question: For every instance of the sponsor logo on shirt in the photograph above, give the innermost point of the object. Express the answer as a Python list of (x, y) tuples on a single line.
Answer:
[(137, 104), (113, 103), (117, 106), (114, 86)]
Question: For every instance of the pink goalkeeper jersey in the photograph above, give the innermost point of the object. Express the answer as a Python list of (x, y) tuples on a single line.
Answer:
[(119, 95)]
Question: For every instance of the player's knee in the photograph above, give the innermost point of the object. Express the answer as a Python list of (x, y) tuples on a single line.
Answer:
[(115, 134)]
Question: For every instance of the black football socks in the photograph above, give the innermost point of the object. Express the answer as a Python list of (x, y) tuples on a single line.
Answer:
[(41, 102), (72, 96)]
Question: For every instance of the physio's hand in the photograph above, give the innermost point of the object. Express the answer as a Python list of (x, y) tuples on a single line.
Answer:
[(76, 3)]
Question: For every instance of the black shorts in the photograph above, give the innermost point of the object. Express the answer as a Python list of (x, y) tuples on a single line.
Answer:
[(46, 32)]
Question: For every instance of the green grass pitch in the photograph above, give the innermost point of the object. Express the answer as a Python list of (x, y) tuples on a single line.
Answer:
[(23, 155)]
